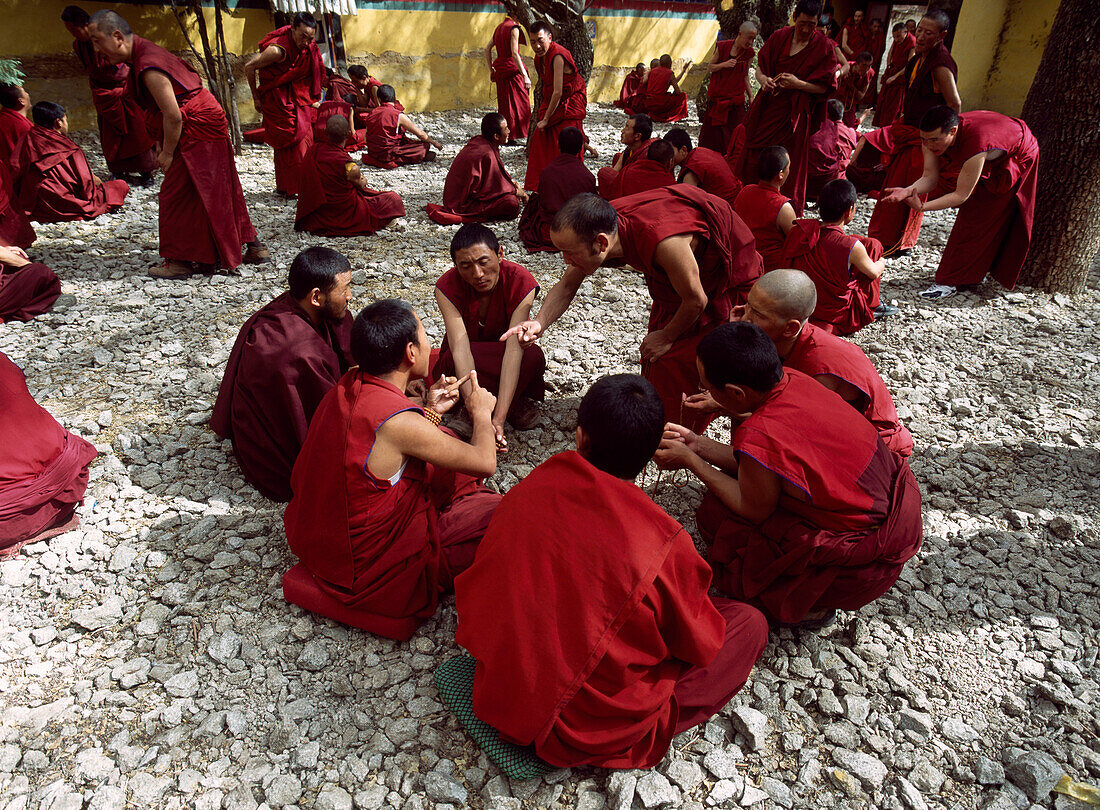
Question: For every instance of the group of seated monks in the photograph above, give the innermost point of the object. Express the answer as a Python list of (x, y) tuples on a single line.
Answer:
[(655, 91)]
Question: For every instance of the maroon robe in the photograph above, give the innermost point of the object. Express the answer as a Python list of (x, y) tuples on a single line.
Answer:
[(842, 547), (851, 89), (329, 108), (859, 36), (513, 97), (478, 187), (596, 664), (13, 126), (542, 145), (387, 144), (280, 368), (27, 291), (563, 178), (328, 203), (759, 206), (375, 554), (713, 173), (830, 150), (642, 175), (15, 228), (662, 105), (43, 467), (891, 96), (631, 84), (725, 98), (607, 177)]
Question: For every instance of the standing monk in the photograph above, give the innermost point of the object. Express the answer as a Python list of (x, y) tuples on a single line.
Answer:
[(509, 74), (15, 118), (203, 217), (728, 88), (636, 136), (830, 149), (892, 93), (290, 80), (854, 36), (854, 87), (564, 101), (664, 100)]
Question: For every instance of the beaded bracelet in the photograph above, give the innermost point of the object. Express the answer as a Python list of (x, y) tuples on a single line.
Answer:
[(432, 416)]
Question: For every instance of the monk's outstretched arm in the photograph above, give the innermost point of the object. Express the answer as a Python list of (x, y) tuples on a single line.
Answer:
[(406, 122), (674, 254), (559, 298), (969, 176), (458, 339), (923, 185), (753, 493), (509, 366), (160, 88)]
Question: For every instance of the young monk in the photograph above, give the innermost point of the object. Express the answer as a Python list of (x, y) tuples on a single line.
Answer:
[(15, 228), (854, 87), (631, 84), (728, 88), (652, 171), (640, 652), (478, 187), (15, 118), (26, 288), (702, 167), (564, 102), (367, 87), (892, 92), (636, 136), (830, 149), (563, 178), (480, 298), (509, 74), (664, 100), (52, 179), (807, 511), (767, 210), (384, 132), (334, 198), (286, 358), (846, 269), (387, 507)]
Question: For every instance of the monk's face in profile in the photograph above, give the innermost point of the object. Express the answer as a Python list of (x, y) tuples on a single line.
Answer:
[(77, 31), (424, 351), (113, 46), (540, 42), (805, 25), (938, 141), (579, 253), (62, 126), (928, 35), (627, 136), (303, 35), (479, 266), (334, 303)]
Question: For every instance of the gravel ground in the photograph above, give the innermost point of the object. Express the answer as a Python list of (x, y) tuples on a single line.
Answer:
[(148, 659)]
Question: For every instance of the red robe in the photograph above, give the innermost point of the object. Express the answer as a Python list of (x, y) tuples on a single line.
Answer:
[(478, 187), (203, 216), (13, 126), (54, 182), (542, 145), (513, 97), (642, 175), (759, 207), (851, 89), (43, 467), (329, 108), (992, 231), (846, 544), (713, 173), (328, 203), (728, 267), (891, 96), (287, 90), (374, 554), (127, 147), (585, 661), (280, 368), (607, 177), (15, 228), (725, 98), (830, 150), (629, 90), (663, 106), (27, 291), (846, 298), (787, 118), (515, 284), (563, 178), (859, 36), (387, 144)]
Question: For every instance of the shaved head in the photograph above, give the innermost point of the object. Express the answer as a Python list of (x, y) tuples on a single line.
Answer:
[(791, 291), (337, 129), (108, 22)]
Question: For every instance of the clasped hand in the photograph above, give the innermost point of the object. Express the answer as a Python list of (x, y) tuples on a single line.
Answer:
[(678, 445)]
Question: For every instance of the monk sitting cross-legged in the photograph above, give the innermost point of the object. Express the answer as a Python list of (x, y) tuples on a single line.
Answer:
[(664, 100), (599, 662), (26, 288), (767, 210), (703, 167), (806, 511), (384, 132), (334, 198), (563, 178), (637, 136), (830, 149), (652, 171)]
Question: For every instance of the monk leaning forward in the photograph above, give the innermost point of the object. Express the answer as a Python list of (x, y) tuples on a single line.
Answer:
[(384, 133), (509, 74), (478, 187), (564, 101), (563, 178)]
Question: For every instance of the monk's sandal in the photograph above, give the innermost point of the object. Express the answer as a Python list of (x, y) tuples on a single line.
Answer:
[(257, 253), (172, 269)]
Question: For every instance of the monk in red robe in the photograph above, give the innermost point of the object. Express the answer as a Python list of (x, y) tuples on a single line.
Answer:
[(52, 179), (43, 467), (765, 209), (335, 199), (876, 44), (367, 87), (509, 74), (854, 87), (830, 149), (702, 167), (636, 136), (892, 93), (652, 171), (631, 84), (807, 511), (15, 118), (387, 508), (599, 663), (854, 35), (993, 162), (664, 100), (26, 288), (388, 145), (204, 221), (728, 88), (15, 228), (290, 76), (698, 259), (126, 145), (563, 178), (478, 187), (796, 72), (564, 101)]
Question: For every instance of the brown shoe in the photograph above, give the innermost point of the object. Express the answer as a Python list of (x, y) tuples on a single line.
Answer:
[(172, 269), (256, 253), (524, 414)]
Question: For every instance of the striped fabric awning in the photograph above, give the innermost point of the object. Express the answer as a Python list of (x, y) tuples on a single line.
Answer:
[(317, 6)]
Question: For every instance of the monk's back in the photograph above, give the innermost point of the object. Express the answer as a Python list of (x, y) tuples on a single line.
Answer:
[(759, 207), (382, 131)]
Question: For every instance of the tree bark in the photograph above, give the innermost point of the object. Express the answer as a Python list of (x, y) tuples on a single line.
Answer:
[(770, 15), (1063, 111), (230, 82)]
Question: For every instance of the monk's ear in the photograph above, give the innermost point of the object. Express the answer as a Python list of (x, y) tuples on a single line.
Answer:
[(584, 444), (791, 328)]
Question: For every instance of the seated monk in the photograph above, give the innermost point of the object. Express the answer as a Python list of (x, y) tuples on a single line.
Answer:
[(702, 167), (631, 85), (664, 100), (637, 136), (367, 87), (478, 187), (43, 467), (652, 171), (15, 118), (52, 179), (387, 507), (333, 196), (830, 149), (599, 663), (15, 228), (767, 210), (564, 177), (806, 511), (384, 133), (480, 298), (26, 288), (286, 358), (846, 270)]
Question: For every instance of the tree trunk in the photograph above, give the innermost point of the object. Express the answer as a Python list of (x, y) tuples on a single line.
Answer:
[(1062, 109), (230, 82)]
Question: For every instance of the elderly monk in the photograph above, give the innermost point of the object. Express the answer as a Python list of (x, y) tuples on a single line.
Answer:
[(478, 187), (664, 100), (892, 92), (728, 88), (830, 149), (384, 132), (564, 101), (43, 467), (767, 210), (52, 179), (636, 136), (993, 161), (286, 358), (599, 663), (387, 507), (697, 257), (15, 118), (702, 167), (806, 511), (652, 171), (480, 299), (631, 85), (15, 228), (204, 221), (290, 76), (563, 178), (26, 288), (335, 199), (509, 74), (854, 87)]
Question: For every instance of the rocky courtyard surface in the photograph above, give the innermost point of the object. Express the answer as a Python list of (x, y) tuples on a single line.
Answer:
[(148, 659)]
